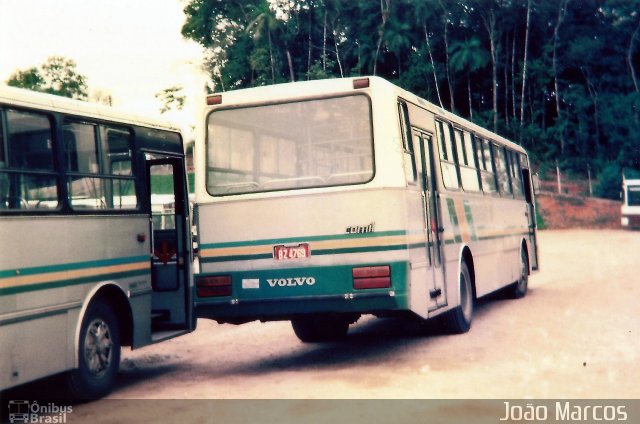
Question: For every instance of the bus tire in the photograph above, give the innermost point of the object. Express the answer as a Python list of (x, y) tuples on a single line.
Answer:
[(98, 353), (458, 320), (318, 329), (519, 289)]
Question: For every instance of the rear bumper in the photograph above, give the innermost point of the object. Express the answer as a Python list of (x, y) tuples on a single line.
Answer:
[(630, 221), (281, 294)]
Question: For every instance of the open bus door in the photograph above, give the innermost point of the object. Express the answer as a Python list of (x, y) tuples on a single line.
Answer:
[(170, 244), (529, 192), (424, 149)]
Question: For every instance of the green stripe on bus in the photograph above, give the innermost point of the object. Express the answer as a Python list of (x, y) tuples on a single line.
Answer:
[(318, 252), (246, 243), (71, 266), (454, 220), (72, 282), (469, 216)]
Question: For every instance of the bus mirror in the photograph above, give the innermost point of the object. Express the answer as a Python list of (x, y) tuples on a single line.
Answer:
[(536, 183)]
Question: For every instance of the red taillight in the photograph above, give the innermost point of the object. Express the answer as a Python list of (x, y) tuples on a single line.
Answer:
[(361, 83), (214, 100), (214, 286), (372, 277)]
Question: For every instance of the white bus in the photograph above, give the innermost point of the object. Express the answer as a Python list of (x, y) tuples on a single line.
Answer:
[(85, 265), (320, 201), (630, 209)]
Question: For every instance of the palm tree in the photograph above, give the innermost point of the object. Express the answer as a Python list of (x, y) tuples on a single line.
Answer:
[(264, 22), (468, 56)]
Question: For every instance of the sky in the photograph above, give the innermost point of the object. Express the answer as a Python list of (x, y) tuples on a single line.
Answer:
[(131, 49)]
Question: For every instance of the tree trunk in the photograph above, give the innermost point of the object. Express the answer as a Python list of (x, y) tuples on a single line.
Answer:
[(524, 62), (335, 43), (433, 65), (324, 41), (309, 52), (506, 82), (490, 26), (385, 15), (452, 106), (292, 74), (273, 69), (513, 77), (561, 14), (630, 63)]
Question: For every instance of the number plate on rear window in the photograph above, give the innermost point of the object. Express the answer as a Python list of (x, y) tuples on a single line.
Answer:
[(284, 253)]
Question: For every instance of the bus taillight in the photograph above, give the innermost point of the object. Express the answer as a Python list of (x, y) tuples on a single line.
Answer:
[(214, 100), (361, 83), (372, 277), (214, 286)]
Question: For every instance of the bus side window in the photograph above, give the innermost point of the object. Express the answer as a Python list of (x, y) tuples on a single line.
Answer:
[(516, 174), (488, 172), (502, 166), (117, 145), (29, 148), (407, 144), (468, 171), (448, 165)]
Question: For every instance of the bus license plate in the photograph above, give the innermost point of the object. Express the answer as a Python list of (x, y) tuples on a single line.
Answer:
[(284, 253)]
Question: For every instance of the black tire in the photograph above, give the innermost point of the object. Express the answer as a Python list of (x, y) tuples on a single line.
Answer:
[(318, 329), (98, 353), (458, 320), (519, 289)]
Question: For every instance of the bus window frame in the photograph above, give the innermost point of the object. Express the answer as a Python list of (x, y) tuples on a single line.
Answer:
[(272, 103), (52, 173)]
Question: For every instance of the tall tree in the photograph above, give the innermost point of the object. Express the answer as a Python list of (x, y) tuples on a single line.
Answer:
[(468, 56), (57, 75)]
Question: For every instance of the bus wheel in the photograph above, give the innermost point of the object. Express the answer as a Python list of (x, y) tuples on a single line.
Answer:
[(518, 289), (99, 353), (458, 320), (317, 329)]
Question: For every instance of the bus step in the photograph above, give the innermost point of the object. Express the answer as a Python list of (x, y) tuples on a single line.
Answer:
[(160, 316)]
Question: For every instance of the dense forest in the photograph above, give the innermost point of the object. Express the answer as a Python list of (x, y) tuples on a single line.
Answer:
[(561, 77)]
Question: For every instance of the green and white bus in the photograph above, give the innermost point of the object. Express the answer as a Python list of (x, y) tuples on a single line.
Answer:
[(89, 260), (320, 201), (630, 209)]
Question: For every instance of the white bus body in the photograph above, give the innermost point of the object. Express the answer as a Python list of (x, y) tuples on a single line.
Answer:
[(320, 201), (85, 263), (630, 209)]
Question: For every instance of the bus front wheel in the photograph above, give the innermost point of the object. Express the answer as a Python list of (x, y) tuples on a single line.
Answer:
[(98, 353)]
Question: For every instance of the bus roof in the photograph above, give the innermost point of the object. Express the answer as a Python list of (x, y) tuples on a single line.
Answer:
[(26, 98), (339, 86)]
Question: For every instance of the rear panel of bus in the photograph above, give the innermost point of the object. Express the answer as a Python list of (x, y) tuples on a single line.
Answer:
[(304, 218)]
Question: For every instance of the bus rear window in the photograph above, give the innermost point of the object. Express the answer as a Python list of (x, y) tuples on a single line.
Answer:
[(314, 143)]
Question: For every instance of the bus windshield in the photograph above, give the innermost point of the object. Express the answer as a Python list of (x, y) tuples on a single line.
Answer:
[(311, 143), (633, 198)]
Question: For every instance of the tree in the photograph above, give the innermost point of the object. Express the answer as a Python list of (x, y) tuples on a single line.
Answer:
[(57, 76), (171, 97), (468, 56)]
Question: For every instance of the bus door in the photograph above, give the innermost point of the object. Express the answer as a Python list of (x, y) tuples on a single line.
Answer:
[(423, 147), (531, 216), (170, 255)]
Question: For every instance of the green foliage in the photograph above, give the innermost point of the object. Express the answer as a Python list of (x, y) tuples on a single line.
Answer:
[(57, 75), (609, 182), (580, 104), (171, 98)]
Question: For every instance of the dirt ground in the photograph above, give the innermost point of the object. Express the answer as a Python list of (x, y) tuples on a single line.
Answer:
[(574, 336), (571, 211)]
